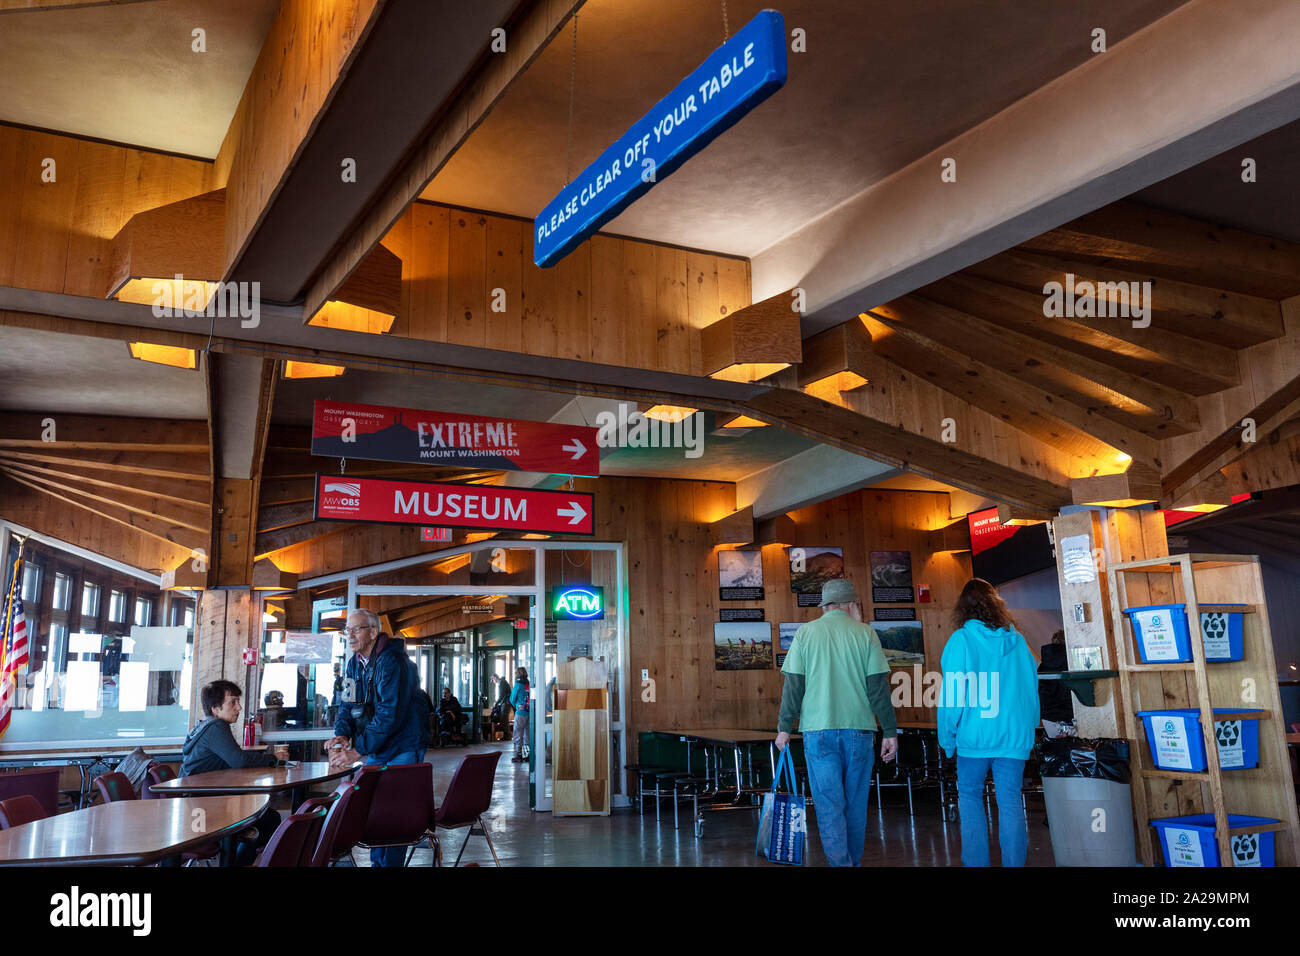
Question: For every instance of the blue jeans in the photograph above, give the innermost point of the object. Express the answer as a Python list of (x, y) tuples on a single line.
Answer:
[(839, 772), (393, 855), (1008, 778)]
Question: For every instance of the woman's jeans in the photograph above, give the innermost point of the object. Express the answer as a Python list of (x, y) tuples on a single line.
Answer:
[(839, 773), (1008, 778), (521, 732), (393, 855)]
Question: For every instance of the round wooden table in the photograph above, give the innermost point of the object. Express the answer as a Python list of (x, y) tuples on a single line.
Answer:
[(128, 832), (263, 780)]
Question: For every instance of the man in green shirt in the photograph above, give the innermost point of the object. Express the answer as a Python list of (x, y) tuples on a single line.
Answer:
[(837, 686)]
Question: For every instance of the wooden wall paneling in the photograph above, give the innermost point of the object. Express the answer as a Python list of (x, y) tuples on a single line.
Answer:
[(640, 344), (573, 305), (675, 333), (430, 248), (540, 334), (466, 293), (608, 297), (505, 257), (733, 285), (703, 301), (13, 174), (101, 172), (42, 255)]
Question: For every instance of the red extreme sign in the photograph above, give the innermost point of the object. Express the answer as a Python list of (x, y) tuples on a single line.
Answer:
[(342, 498), (450, 440)]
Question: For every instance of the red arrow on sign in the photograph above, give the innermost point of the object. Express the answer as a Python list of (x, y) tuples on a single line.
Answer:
[(380, 500)]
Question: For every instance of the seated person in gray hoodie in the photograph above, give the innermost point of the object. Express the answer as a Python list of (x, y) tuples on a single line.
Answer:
[(211, 745)]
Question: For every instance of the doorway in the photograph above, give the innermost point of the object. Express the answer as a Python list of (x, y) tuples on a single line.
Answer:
[(454, 608)]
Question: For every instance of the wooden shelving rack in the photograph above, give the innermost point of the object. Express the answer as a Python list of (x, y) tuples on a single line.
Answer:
[(1207, 582)]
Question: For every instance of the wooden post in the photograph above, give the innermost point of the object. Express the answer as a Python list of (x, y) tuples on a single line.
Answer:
[(224, 628)]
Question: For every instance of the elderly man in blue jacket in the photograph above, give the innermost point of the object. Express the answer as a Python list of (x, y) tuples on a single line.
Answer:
[(379, 716)]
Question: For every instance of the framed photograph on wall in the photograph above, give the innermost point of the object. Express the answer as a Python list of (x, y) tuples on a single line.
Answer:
[(740, 575), (903, 642), (810, 568), (742, 646), (891, 577), (785, 637)]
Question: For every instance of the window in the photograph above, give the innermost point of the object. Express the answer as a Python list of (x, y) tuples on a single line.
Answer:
[(90, 600), (116, 607), (31, 583), (62, 591), (99, 670)]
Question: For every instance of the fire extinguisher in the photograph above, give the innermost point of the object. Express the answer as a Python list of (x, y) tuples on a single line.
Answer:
[(257, 730), (248, 732)]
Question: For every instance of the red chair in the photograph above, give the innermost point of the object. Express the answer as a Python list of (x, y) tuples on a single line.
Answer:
[(352, 821), (469, 796), (114, 786), (156, 773), (39, 782), (401, 809), (294, 840), (21, 809), (341, 801)]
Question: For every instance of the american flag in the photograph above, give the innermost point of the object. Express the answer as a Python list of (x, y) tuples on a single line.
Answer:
[(13, 645)]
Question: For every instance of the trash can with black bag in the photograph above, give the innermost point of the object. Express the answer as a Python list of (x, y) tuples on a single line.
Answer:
[(1089, 801)]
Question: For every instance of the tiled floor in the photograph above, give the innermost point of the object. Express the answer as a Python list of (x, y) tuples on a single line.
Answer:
[(625, 838)]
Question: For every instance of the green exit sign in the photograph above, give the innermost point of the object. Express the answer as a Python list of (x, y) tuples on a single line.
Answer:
[(577, 602)]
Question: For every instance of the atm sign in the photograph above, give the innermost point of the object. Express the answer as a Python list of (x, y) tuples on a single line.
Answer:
[(577, 603)]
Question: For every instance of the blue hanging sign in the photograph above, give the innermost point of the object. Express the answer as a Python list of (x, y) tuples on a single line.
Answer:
[(736, 77)]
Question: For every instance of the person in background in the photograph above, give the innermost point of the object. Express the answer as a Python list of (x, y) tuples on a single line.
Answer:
[(451, 715), (211, 745), (988, 711), (273, 711), (519, 701), (379, 718), (503, 688), (1054, 701), (837, 686)]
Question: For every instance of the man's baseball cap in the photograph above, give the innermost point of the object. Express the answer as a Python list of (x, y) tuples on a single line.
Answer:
[(838, 591)]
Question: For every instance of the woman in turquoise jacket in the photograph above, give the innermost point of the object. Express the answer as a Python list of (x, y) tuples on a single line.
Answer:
[(988, 711)]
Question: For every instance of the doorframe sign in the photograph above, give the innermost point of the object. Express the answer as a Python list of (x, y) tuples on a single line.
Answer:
[(452, 440), (388, 501), (735, 78)]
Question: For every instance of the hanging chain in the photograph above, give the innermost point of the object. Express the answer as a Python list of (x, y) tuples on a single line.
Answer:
[(726, 25), (573, 76), (343, 465)]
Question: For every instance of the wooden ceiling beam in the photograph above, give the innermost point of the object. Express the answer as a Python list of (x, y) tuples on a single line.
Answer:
[(156, 464), (1153, 409), (267, 543), (190, 516), (1228, 445), (183, 491), (1216, 316), (844, 428), (536, 25), (842, 348), (1139, 484), (102, 433), (1049, 416), (1181, 363), (153, 526), (1179, 247)]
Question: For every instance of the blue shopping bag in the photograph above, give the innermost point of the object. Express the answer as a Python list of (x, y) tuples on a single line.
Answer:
[(782, 824)]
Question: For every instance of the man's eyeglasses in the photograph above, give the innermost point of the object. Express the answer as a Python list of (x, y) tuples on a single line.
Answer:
[(349, 631)]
